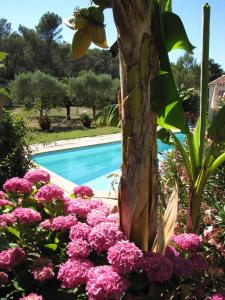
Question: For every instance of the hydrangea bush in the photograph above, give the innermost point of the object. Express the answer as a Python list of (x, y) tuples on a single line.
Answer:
[(58, 247)]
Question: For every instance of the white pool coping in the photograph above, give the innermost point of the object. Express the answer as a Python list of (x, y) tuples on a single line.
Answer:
[(65, 184)]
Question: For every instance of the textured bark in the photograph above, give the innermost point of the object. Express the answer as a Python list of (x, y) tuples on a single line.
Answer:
[(138, 54), (68, 117)]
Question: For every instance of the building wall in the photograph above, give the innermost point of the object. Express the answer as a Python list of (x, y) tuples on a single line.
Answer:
[(220, 93)]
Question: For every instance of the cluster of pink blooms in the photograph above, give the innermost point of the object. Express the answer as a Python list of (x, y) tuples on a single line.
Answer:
[(3, 195), (43, 273), (74, 272), (83, 191), (78, 248), (80, 231), (37, 176), (96, 217), (199, 263), (18, 185), (82, 207), (104, 235), (26, 215), (4, 278), (63, 223), (11, 257), (124, 256), (158, 267), (7, 220), (188, 242), (182, 267), (91, 226), (218, 296), (49, 193), (4, 202), (32, 296), (105, 283)]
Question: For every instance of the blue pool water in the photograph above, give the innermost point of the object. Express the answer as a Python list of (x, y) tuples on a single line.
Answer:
[(89, 165)]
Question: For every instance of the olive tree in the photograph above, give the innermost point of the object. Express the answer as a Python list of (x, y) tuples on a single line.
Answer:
[(37, 90), (92, 90)]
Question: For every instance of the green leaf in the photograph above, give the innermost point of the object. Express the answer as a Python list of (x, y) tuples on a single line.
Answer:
[(164, 135), (165, 5), (196, 135), (175, 34), (3, 55), (218, 162), (216, 131), (184, 154), (167, 104), (14, 231), (4, 244), (51, 246)]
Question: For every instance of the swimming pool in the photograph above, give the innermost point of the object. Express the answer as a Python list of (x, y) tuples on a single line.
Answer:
[(89, 165)]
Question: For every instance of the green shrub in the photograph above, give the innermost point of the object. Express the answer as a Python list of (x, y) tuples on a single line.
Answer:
[(44, 123), (85, 120), (15, 155)]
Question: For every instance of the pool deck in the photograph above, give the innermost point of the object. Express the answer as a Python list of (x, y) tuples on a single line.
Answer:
[(66, 185)]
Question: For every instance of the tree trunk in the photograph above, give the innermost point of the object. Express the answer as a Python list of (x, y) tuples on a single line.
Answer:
[(41, 113), (94, 111), (68, 117), (138, 55)]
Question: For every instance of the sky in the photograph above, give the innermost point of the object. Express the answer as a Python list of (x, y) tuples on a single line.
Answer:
[(28, 13)]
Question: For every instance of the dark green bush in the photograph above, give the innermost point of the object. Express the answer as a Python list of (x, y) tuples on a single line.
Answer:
[(44, 123), (15, 155), (85, 120)]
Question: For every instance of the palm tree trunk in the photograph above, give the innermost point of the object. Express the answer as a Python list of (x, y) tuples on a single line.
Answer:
[(138, 55)]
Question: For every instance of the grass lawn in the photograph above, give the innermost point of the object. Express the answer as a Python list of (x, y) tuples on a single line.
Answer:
[(46, 137), (61, 129)]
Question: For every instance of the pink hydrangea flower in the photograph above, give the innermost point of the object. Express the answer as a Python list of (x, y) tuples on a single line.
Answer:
[(32, 296), (157, 267), (4, 278), (105, 283), (83, 191), (182, 267), (113, 218), (124, 256), (11, 257), (104, 236), (218, 296), (3, 195), (27, 215), (199, 263), (80, 231), (78, 248), (4, 202), (37, 176), (171, 252), (49, 193), (43, 273), (74, 272), (63, 223), (99, 205), (189, 242), (96, 217), (46, 224), (18, 185), (7, 220), (79, 206)]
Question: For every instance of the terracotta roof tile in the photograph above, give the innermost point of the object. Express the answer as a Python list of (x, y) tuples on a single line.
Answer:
[(219, 81)]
